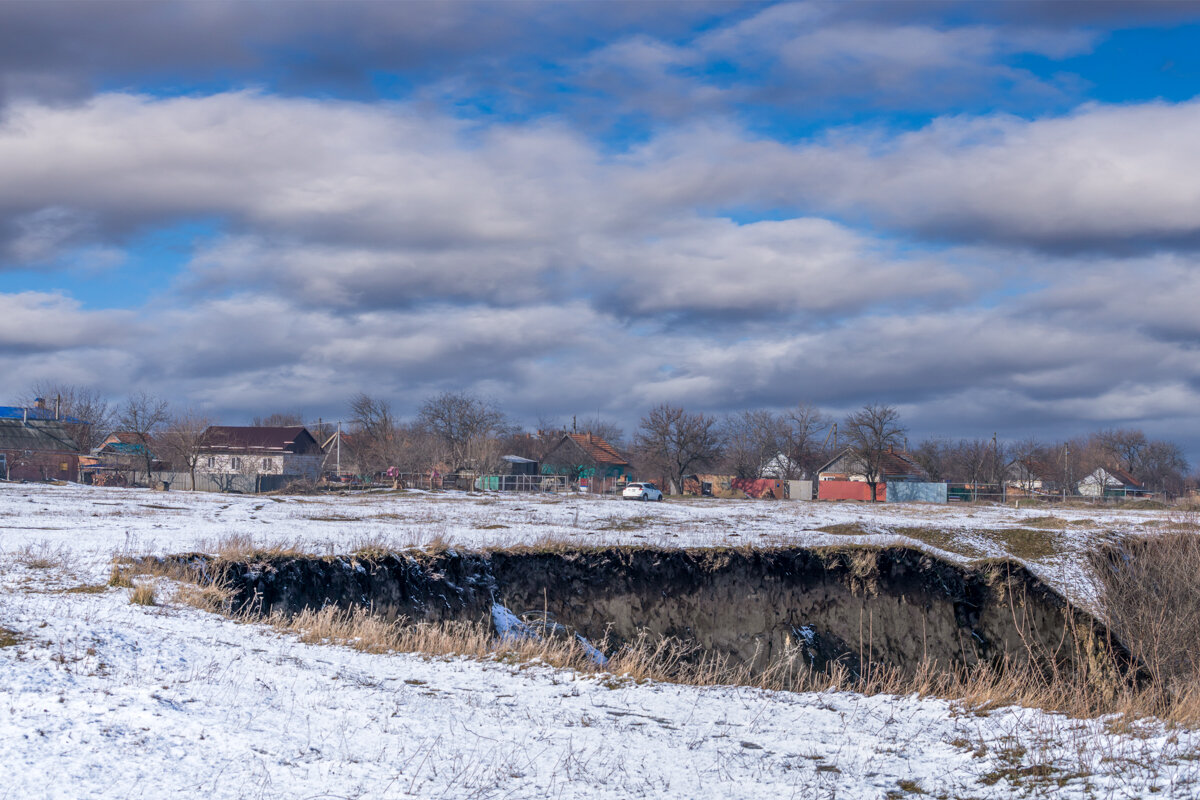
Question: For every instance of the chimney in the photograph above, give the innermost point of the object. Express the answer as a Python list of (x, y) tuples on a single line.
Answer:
[(58, 406)]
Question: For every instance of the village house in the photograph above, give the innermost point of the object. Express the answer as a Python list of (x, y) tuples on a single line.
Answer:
[(589, 460), (37, 450), (1111, 482), (247, 455), (842, 477)]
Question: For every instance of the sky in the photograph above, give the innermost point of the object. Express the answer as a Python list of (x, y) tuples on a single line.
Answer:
[(985, 214)]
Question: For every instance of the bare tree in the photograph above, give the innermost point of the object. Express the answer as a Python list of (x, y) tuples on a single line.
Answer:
[(870, 433), (676, 441), (934, 457), (1163, 467), (181, 440), (973, 462), (466, 425), (1122, 448), (1066, 463), (1026, 464), (144, 415), (374, 432), (806, 429), (752, 439), (93, 413), (607, 430)]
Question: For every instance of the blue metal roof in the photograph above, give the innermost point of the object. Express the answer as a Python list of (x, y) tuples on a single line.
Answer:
[(20, 412)]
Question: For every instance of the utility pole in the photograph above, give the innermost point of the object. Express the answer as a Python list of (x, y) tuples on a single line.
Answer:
[(339, 449)]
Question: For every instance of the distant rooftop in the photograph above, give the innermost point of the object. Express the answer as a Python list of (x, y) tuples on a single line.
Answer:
[(23, 412)]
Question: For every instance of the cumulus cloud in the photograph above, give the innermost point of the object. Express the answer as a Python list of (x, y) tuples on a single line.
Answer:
[(43, 321)]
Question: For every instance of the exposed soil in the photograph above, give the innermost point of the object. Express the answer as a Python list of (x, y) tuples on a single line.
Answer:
[(895, 606)]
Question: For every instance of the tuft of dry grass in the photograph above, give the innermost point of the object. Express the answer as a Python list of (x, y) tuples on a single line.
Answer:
[(88, 588), (43, 555), (9, 637), (1045, 523), (845, 529), (143, 594), (206, 596), (118, 577)]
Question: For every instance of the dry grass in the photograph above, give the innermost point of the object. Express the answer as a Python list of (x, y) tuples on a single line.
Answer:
[(1151, 597), (9, 637), (242, 547), (206, 596), (88, 588), (653, 658), (1045, 523), (43, 555), (619, 523), (845, 529), (143, 594), (118, 577), (951, 541), (1026, 544), (1151, 593)]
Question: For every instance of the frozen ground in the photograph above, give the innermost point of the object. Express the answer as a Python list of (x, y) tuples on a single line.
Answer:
[(101, 698), (95, 522)]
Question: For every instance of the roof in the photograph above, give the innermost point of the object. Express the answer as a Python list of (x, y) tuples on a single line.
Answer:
[(1121, 475), (234, 438), (45, 436), (517, 460), (23, 412), (125, 437), (599, 450), (895, 462)]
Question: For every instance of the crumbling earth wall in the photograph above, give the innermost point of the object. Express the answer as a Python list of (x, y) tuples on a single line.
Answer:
[(892, 606)]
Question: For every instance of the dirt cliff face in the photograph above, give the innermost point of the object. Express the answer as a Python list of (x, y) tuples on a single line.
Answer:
[(894, 606)]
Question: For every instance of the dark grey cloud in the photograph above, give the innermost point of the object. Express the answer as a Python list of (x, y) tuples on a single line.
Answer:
[(70, 48)]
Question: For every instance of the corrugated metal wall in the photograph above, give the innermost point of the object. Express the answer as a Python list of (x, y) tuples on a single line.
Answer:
[(917, 492), (849, 490)]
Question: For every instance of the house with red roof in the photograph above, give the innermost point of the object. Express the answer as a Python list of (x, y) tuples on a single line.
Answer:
[(588, 460), (248, 454)]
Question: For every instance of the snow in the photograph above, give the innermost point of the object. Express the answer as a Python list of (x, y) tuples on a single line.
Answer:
[(102, 698)]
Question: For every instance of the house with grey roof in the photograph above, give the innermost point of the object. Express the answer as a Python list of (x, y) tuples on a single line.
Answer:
[(34, 449)]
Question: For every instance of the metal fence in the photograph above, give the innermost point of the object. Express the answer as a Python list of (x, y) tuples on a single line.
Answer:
[(521, 483)]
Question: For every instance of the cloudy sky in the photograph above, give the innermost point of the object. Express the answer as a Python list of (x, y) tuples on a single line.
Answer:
[(986, 214)]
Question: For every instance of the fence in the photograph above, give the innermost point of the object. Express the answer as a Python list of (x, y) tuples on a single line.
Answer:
[(522, 483), (210, 482), (917, 492), (850, 490)]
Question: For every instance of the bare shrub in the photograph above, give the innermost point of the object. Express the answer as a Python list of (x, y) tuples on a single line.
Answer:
[(1151, 597), (43, 555)]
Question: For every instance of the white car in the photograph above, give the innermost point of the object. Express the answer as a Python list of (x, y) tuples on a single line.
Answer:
[(642, 491)]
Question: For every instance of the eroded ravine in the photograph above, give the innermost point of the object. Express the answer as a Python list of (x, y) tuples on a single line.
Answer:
[(894, 606)]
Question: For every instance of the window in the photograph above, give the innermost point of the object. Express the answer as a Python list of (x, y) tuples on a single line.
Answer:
[(235, 463), (212, 462), (266, 463)]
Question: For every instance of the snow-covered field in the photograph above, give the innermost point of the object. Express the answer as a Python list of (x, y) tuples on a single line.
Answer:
[(102, 698)]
